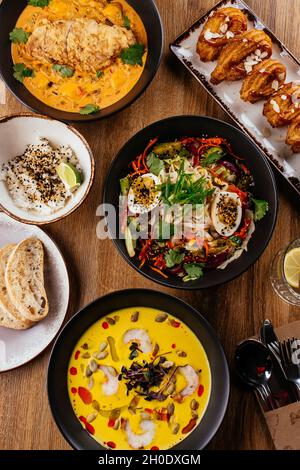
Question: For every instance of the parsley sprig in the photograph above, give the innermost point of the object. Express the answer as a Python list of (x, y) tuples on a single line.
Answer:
[(133, 55), (19, 36)]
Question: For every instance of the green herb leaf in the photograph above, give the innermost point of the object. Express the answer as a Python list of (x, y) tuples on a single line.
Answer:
[(19, 36), (64, 70), (100, 74), (133, 354), (127, 23), (133, 55), (90, 109), (212, 155), (154, 163), (194, 271), (173, 257), (21, 71), (261, 207), (39, 3)]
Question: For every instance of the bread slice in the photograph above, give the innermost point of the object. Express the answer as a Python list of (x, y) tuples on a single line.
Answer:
[(24, 279), (10, 317)]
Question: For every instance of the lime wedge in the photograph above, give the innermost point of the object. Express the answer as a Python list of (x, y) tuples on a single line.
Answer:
[(292, 267), (69, 175)]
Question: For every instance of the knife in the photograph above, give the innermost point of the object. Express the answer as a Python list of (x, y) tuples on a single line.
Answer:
[(281, 388)]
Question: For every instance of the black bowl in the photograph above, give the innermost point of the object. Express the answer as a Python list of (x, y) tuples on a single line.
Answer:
[(59, 401), (265, 188), (10, 10)]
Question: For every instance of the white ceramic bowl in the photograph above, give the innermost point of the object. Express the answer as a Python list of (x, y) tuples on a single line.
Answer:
[(16, 132)]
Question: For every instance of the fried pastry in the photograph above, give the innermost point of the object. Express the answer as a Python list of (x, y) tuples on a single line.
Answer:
[(264, 79), (284, 105), (293, 135), (240, 55), (219, 29)]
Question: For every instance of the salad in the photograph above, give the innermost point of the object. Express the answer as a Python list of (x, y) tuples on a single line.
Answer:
[(188, 206)]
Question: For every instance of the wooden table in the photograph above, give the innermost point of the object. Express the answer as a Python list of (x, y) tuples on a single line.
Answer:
[(235, 310)]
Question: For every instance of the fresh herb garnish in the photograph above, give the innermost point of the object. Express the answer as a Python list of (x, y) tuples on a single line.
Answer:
[(19, 36), (173, 257), (63, 70), (212, 155), (261, 207), (126, 23), (154, 163), (39, 3), (133, 55), (194, 271), (99, 74), (90, 109), (21, 71)]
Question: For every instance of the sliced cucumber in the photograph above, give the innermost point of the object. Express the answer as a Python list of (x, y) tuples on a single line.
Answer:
[(130, 243)]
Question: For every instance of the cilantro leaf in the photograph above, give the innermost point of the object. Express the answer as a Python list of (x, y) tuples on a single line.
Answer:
[(21, 71), (261, 207), (64, 70), (212, 155), (19, 36), (90, 109), (194, 271), (39, 3), (173, 257), (154, 163), (127, 23), (133, 55), (100, 74)]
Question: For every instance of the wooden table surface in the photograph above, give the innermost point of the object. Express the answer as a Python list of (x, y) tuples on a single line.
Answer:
[(235, 310)]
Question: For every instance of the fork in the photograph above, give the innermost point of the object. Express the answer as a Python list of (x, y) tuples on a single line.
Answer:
[(284, 352)]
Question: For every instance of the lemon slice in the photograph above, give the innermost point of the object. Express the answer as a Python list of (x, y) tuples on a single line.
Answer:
[(292, 267), (69, 175)]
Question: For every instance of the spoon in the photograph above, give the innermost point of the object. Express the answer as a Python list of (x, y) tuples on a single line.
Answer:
[(254, 366)]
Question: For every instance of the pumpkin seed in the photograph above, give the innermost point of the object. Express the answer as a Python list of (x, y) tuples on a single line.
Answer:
[(91, 383), (155, 349), (116, 318), (171, 409), (133, 405), (168, 364), (194, 414), (90, 418), (161, 317), (175, 428), (103, 346), (86, 355), (85, 346), (170, 389), (110, 321), (93, 365), (116, 425), (112, 371), (95, 405), (194, 404), (102, 355), (115, 414), (135, 317), (181, 353), (88, 371)]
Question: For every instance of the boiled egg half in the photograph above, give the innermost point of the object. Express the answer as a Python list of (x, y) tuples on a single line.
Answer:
[(142, 196), (226, 213)]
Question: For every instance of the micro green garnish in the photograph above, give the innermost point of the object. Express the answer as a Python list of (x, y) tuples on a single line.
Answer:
[(173, 257), (19, 36), (126, 22), (89, 109), (39, 3), (21, 71), (194, 271), (133, 55), (154, 163), (99, 74), (261, 208), (63, 70), (212, 155)]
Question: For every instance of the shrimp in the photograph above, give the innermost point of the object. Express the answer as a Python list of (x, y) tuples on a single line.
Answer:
[(111, 386), (141, 336), (137, 441), (192, 379)]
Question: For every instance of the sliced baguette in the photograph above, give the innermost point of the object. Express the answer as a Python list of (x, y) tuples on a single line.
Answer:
[(24, 279), (10, 317)]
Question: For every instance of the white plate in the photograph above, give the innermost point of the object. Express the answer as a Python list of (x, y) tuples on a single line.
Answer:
[(19, 347)]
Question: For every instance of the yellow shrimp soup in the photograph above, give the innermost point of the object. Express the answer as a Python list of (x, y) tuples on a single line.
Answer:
[(120, 353), (102, 88)]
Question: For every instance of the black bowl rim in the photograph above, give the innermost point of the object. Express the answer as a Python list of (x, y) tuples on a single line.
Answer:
[(97, 116), (188, 307), (166, 282)]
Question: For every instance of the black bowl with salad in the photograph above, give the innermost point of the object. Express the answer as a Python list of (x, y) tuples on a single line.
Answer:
[(196, 202)]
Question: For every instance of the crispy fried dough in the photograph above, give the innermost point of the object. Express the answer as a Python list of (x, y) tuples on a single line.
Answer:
[(284, 105), (219, 29), (265, 78), (231, 62), (293, 135)]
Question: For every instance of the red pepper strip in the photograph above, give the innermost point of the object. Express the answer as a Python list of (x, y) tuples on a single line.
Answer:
[(138, 172), (192, 423), (142, 263), (144, 250), (244, 230), (206, 249), (159, 272), (160, 262), (245, 169), (151, 143), (242, 195)]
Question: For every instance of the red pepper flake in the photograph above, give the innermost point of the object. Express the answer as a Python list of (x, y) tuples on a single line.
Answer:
[(111, 444), (148, 410), (74, 390), (85, 395), (105, 325), (111, 423), (173, 346), (200, 390), (174, 323), (82, 419), (154, 448), (260, 370), (73, 371), (192, 423), (90, 428), (76, 355)]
